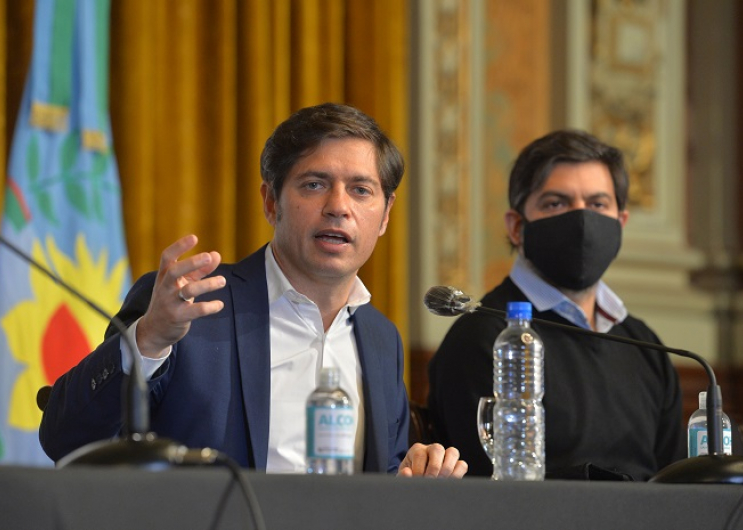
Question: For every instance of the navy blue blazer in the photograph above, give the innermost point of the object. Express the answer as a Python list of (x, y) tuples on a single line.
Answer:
[(213, 390)]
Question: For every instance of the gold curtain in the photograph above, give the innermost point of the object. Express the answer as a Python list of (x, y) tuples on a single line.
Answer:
[(197, 86)]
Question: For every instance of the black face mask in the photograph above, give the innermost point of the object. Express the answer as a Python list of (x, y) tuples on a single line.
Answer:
[(574, 249)]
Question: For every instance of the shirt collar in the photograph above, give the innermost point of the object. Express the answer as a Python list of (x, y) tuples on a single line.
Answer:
[(545, 297), (279, 286)]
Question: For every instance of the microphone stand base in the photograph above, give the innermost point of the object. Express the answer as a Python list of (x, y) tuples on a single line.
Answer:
[(137, 450), (705, 469)]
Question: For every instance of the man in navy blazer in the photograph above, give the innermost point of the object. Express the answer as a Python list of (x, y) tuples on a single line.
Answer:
[(224, 345)]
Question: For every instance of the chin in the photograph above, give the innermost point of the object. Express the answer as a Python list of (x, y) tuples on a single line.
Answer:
[(578, 292)]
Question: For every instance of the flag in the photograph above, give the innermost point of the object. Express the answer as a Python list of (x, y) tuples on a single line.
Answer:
[(63, 207)]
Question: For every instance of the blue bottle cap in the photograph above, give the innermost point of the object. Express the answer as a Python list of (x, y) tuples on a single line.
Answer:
[(519, 310)]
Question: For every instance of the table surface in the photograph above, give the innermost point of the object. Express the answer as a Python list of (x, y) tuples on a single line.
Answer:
[(210, 498)]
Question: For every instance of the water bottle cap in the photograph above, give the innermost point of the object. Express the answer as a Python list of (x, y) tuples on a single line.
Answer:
[(518, 310), (703, 398)]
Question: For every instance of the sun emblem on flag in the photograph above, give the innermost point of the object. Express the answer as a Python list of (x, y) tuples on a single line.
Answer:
[(49, 333)]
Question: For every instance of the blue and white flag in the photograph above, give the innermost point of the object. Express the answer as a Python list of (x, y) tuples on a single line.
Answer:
[(63, 207)]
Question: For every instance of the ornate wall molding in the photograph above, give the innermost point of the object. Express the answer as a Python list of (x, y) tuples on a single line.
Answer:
[(445, 171)]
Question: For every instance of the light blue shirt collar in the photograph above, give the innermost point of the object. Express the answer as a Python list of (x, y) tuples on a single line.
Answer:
[(545, 297)]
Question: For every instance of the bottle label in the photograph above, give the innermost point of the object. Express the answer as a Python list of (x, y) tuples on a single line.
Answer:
[(698, 443), (332, 432)]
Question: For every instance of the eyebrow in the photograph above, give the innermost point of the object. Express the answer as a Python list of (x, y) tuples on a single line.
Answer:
[(567, 197), (324, 175)]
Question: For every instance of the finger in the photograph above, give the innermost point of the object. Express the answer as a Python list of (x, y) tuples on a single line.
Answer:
[(204, 264), (209, 265), (449, 464), (177, 249), (191, 290), (460, 469), (436, 455), (191, 269), (405, 469), (418, 459), (193, 310)]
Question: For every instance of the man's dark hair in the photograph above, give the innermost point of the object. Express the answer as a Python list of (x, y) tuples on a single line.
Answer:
[(537, 160), (304, 130)]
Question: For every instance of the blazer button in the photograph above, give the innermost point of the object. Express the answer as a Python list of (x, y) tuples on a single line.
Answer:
[(93, 384)]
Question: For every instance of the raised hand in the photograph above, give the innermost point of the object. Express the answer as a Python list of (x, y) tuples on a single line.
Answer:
[(172, 306)]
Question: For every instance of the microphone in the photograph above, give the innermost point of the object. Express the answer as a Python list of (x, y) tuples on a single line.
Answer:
[(42, 397), (139, 446), (715, 467)]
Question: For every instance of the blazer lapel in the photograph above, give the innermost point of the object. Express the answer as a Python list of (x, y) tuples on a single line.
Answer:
[(375, 429), (252, 330)]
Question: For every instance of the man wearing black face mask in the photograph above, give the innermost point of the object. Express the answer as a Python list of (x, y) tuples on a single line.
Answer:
[(612, 410)]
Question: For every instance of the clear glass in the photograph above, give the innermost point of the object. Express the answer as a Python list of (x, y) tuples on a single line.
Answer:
[(485, 425)]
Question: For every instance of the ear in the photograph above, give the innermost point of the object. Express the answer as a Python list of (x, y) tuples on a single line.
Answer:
[(269, 203), (386, 218), (623, 217), (514, 225)]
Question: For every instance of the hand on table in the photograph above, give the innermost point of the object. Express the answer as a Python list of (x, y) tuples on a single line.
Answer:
[(432, 461)]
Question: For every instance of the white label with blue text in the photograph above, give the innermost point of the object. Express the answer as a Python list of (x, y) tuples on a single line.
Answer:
[(332, 432), (700, 446)]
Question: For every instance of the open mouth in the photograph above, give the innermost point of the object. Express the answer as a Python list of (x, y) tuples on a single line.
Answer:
[(334, 238)]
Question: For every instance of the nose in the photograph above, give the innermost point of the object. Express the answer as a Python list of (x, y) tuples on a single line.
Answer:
[(337, 203), (579, 204)]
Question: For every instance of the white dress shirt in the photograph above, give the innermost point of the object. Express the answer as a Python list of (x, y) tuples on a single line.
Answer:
[(300, 348)]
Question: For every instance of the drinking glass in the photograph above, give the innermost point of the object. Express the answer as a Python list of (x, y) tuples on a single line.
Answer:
[(485, 424)]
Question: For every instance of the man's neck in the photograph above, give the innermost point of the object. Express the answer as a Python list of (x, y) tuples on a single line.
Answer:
[(586, 300), (329, 299), (329, 295)]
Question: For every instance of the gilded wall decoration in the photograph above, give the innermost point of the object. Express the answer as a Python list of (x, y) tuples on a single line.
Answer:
[(625, 59), (452, 172), (518, 88)]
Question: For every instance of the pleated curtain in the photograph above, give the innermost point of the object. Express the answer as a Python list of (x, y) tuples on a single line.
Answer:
[(196, 88)]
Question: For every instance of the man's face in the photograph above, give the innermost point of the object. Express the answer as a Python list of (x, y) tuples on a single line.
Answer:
[(330, 213), (570, 186)]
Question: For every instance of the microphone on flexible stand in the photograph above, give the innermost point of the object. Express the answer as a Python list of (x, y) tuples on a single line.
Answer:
[(715, 467), (139, 446)]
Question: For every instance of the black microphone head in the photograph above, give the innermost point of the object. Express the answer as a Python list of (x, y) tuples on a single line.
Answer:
[(42, 397), (447, 301)]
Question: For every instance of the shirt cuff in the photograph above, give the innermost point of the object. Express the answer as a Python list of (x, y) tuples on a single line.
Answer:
[(149, 365)]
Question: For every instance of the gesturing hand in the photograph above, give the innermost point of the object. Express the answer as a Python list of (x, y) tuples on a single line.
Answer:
[(172, 306)]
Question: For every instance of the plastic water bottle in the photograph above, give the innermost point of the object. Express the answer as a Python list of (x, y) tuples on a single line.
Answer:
[(518, 384), (331, 427), (698, 430)]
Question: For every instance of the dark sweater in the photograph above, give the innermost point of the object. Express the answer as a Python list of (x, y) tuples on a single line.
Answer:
[(614, 405)]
